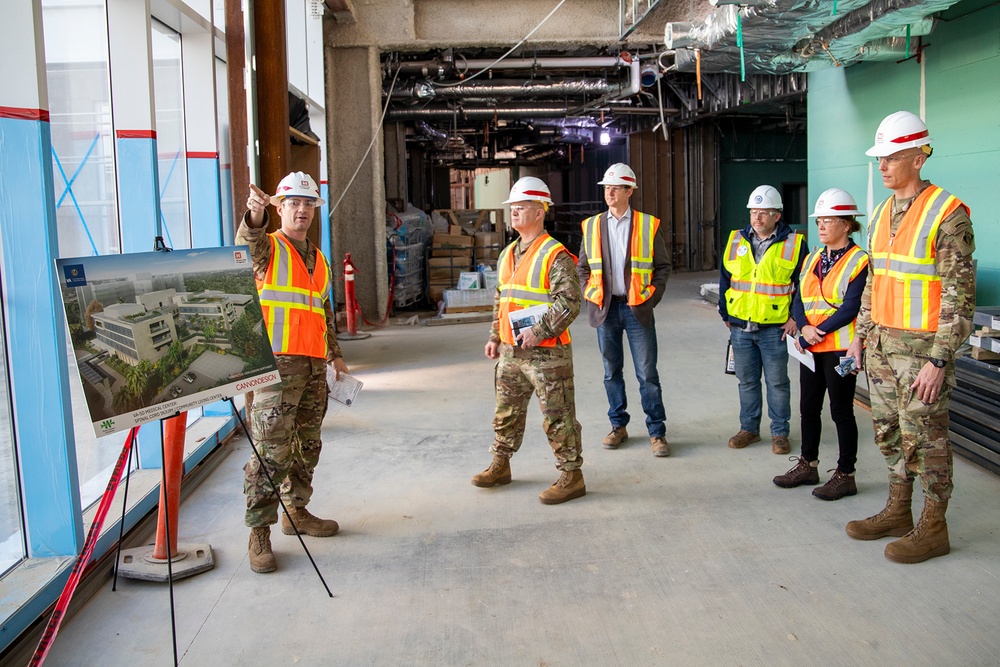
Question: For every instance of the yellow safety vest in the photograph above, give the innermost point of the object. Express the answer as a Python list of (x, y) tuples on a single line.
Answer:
[(761, 293), (292, 301), (822, 297), (640, 289), (906, 287), (528, 284)]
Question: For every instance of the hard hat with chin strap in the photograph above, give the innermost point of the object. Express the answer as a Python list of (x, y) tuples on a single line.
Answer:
[(764, 196), (835, 203), (620, 174), (297, 184), (899, 131), (530, 188)]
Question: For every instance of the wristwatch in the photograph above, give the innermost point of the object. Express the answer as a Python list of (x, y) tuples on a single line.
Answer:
[(938, 363)]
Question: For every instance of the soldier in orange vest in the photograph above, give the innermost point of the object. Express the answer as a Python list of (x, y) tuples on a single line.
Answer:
[(825, 306), (537, 298), (915, 313), (624, 268), (293, 279)]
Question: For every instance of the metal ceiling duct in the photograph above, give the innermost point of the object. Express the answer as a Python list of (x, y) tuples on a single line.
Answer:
[(782, 36), (478, 113)]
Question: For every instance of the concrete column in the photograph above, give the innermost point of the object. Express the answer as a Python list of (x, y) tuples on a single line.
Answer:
[(354, 91), (134, 117), (33, 315), (200, 116)]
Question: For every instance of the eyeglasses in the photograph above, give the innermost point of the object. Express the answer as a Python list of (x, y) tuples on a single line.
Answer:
[(762, 214), (823, 222), (520, 210), (892, 159), (299, 203)]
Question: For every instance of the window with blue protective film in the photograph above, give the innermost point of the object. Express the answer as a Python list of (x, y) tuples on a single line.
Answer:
[(168, 93), (12, 549), (83, 160)]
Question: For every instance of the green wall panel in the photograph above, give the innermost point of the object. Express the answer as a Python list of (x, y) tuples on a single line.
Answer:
[(961, 79)]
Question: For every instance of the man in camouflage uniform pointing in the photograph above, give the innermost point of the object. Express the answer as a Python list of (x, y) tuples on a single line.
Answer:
[(535, 270), (293, 279), (915, 313)]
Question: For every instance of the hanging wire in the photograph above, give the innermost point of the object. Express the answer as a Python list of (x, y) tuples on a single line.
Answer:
[(509, 51), (739, 43)]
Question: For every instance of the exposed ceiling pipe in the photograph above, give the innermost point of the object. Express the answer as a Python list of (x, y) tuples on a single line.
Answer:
[(440, 66), (496, 89), (477, 113)]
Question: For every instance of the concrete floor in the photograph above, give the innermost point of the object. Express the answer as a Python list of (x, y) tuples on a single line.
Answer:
[(696, 559)]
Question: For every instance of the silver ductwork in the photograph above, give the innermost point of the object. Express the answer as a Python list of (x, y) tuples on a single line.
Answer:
[(782, 36)]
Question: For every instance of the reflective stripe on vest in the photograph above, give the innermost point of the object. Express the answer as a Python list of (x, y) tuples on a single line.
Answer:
[(527, 284), (761, 293), (822, 298), (640, 288), (906, 287), (291, 301)]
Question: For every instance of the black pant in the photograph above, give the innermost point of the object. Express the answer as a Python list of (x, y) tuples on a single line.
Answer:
[(841, 389)]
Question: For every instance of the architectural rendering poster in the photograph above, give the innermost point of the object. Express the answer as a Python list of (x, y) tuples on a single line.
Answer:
[(158, 333)]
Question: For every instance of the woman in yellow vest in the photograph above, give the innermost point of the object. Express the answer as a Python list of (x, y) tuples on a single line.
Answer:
[(825, 308)]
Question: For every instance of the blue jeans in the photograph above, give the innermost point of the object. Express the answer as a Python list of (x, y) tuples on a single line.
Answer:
[(642, 344), (755, 351)]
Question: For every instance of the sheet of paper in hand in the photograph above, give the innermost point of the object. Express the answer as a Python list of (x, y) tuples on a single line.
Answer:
[(343, 389)]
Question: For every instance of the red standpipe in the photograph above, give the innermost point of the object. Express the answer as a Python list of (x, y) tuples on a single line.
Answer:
[(174, 429)]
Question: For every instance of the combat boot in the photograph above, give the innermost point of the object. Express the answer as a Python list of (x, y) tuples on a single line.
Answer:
[(569, 486), (497, 474), (928, 540), (307, 523), (894, 520), (261, 557)]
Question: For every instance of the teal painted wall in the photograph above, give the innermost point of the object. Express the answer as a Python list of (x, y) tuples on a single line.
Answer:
[(961, 76), (748, 158)]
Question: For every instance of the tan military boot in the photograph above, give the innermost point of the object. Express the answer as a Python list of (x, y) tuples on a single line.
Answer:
[(261, 557), (497, 474), (928, 540), (894, 520), (307, 523), (569, 486)]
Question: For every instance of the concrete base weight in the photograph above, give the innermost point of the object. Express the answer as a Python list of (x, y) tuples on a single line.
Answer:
[(191, 559)]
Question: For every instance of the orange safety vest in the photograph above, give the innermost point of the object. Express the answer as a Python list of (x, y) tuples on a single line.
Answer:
[(527, 284), (640, 288), (906, 287), (822, 297), (292, 301)]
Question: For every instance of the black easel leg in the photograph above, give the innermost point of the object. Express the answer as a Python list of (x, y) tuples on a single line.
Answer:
[(277, 494), (121, 526)]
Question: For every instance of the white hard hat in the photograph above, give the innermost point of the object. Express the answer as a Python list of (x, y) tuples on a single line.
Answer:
[(764, 196), (529, 188), (620, 174), (899, 131), (835, 203), (297, 184)]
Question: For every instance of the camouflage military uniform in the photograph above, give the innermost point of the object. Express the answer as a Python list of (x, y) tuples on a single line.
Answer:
[(286, 418), (546, 371), (912, 435)]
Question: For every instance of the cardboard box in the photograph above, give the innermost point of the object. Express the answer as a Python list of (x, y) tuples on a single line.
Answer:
[(468, 280), (449, 276), (457, 263), (488, 279), (452, 241)]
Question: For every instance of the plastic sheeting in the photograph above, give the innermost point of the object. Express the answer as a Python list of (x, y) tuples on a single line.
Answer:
[(782, 36)]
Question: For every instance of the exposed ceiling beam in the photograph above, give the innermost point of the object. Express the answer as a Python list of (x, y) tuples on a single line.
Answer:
[(342, 10)]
